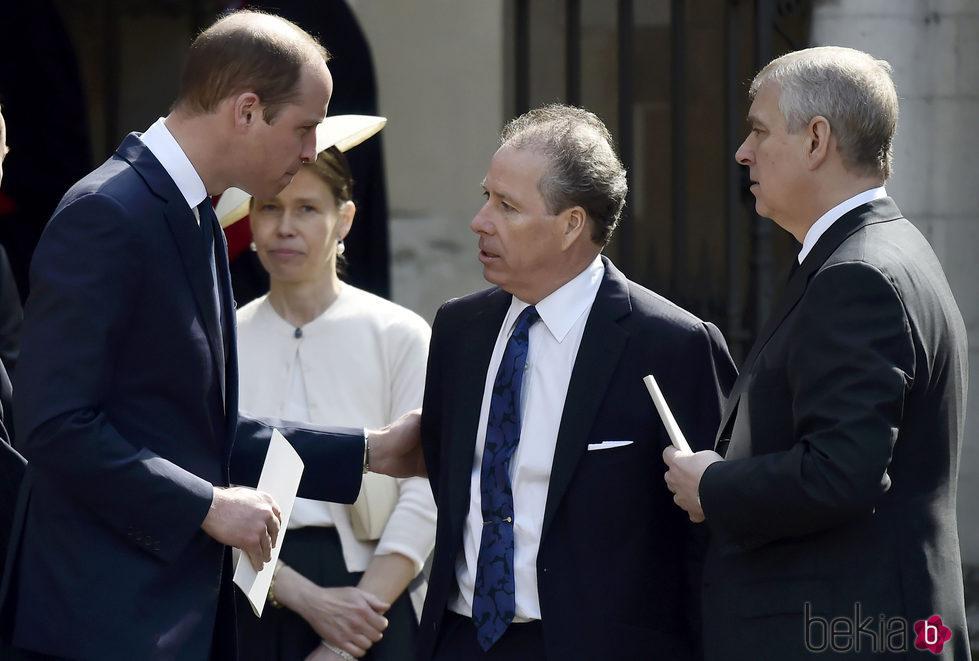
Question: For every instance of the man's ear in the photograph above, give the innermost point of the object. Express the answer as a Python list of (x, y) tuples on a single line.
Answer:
[(247, 110), (574, 221), (818, 136)]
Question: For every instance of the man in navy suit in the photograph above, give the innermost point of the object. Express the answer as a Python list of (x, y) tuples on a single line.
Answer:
[(127, 388), (831, 496), (11, 463), (597, 564)]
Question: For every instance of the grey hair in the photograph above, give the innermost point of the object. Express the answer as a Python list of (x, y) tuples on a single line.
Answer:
[(583, 169), (851, 89)]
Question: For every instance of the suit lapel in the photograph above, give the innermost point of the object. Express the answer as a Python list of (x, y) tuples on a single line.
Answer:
[(187, 236), (876, 211), (598, 355), (474, 352)]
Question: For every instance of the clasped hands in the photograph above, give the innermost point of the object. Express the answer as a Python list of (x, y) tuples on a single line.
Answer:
[(347, 618), (685, 469)]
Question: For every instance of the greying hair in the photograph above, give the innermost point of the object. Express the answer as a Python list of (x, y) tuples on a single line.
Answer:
[(851, 89), (584, 169)]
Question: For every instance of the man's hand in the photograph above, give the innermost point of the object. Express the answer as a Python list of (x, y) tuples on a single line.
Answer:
[(683, 478), (246, 519), (396, 449)]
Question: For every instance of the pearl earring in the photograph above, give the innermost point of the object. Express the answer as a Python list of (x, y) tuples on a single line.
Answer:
[(340, 247)]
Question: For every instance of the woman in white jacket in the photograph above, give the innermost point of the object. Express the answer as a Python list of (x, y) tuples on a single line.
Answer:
[(321, 351)]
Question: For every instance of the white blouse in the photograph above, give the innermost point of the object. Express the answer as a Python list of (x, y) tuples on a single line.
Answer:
[(361, 364)]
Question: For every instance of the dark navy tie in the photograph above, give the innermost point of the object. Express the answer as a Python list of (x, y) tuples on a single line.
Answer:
[(210, 227), (493, 596)]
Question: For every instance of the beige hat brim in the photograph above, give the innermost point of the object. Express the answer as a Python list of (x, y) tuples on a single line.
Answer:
[(346, 131), (342, 131)]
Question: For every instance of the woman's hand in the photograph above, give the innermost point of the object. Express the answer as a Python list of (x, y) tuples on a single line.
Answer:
[(349, 618)]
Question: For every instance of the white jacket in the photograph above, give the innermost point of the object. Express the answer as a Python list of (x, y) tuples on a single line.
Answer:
[(363, 364)]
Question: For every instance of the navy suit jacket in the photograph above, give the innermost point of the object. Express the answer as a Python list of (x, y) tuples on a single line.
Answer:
[(128, 416), (612, 567), (12, 466), (838, 493)]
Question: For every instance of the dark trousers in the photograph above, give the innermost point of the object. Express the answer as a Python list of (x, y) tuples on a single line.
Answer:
[(520, 642)]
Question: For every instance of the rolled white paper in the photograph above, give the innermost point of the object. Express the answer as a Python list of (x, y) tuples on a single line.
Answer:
[(672, 428)]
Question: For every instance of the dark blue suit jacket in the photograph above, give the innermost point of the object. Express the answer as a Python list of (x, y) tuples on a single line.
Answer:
[(612, 569), (12, 466), (128, 416)]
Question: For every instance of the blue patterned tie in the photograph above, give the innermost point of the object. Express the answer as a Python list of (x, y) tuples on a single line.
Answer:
[(493, 597)]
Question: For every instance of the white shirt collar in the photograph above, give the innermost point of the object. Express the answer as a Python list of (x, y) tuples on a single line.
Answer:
[(827, 219), (165, 148), (562, 307)]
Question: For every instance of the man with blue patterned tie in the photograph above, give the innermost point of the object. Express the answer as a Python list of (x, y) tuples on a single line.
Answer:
[(555, 538)]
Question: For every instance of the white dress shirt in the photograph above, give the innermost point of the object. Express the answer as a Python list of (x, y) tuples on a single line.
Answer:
[(553, 347), (827, 219), (165, 148)]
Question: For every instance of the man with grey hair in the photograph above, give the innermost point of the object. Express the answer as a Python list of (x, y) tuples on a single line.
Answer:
[(564, 545), (831, 495)]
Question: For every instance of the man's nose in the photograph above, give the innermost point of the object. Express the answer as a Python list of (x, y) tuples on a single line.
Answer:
[(743, 155), (308, 154), (480, 223)]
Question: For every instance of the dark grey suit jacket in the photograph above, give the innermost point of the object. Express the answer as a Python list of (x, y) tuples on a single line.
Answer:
[(838, 492), (612, 571)]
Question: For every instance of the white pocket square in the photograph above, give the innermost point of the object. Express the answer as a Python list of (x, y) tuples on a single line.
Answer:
[(608, 445)]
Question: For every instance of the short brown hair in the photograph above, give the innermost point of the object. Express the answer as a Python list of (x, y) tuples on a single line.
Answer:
[(247, 50), (332, 167)]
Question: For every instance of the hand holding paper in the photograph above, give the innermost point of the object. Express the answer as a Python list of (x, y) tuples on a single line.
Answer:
[(245, 519), (280, 479), (685, 467)]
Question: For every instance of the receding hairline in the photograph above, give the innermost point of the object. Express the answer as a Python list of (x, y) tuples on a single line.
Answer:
[(248, 50), (258, 22)]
